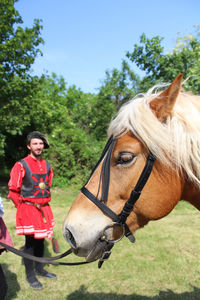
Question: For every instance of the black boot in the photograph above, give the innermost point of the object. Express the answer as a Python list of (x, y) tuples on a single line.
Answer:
[(30, 274), (40, 271), (39, 267)]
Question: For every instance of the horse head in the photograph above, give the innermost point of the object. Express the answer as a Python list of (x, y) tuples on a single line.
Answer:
[(150, 124)]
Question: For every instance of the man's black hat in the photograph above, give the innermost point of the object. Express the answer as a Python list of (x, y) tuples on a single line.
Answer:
[(37, 135)]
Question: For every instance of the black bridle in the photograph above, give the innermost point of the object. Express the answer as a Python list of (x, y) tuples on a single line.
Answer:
[(119, 220)]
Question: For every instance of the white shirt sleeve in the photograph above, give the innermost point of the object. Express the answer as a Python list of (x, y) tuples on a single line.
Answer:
[(1, 207)]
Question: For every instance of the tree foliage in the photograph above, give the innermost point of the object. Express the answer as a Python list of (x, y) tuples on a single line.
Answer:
[(18, 50), (150, 57), (118, 87), (75, 122)]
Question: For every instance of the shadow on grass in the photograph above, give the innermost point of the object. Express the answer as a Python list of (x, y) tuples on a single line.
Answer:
[(83, 294), (11, 278), (12, 282)]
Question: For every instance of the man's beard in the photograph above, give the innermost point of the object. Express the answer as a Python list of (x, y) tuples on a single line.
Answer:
[(34, 153)]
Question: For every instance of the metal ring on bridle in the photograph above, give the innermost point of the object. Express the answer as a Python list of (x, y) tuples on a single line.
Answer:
[(112, 225)]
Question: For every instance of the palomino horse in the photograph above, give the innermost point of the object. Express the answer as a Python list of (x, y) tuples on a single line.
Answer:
[(158, 135)]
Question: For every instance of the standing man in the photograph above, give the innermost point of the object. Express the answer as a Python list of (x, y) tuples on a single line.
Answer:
[(29, 189)]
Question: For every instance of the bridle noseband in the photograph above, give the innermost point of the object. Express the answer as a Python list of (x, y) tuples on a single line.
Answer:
[(120, 219)]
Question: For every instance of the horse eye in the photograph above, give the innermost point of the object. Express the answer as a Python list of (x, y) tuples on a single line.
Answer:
[(125, 158)]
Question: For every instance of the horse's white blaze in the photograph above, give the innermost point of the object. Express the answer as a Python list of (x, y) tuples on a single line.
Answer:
[(86, 227)]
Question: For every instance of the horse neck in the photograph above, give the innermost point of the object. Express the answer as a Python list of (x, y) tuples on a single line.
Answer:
[(191, 194)]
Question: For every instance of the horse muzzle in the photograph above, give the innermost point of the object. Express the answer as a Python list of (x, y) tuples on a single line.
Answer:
[(94, 250), (90, 252)]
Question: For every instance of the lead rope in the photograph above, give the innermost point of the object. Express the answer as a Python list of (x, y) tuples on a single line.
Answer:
[(51, 260), (44, 260), (121, 219)]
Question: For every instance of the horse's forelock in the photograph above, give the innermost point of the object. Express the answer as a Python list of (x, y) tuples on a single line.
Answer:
[(179, 136)]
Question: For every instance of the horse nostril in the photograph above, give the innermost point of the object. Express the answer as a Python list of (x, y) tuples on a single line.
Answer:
[(69, 238)]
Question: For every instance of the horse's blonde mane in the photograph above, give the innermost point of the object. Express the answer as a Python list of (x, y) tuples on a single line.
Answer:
[(178, 137)]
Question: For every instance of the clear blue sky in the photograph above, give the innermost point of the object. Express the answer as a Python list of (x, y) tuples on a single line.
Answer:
[(84, 38)]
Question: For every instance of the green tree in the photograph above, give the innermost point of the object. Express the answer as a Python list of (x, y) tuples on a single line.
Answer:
[(18, 50), (63, 113), (191, 43), (150, 57), (80, 106), (118, 87)]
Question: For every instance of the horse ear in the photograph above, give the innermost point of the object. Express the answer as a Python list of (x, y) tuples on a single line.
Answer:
[(164, 103)]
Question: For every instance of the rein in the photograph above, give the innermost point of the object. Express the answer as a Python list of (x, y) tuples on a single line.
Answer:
[(44, 260), (118, 220)]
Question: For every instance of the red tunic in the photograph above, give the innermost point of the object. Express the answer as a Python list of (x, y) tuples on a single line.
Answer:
[(29, 219)]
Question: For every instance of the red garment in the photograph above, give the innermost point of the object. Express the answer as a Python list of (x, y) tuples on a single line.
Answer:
[(4, 235), (29, 219)]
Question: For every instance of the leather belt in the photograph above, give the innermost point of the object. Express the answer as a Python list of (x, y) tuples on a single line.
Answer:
[(37, 205)]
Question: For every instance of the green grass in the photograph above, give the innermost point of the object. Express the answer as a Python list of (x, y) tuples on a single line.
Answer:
[(162, 264)]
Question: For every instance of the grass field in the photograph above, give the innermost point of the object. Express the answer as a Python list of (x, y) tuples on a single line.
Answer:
[(162, 264)]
